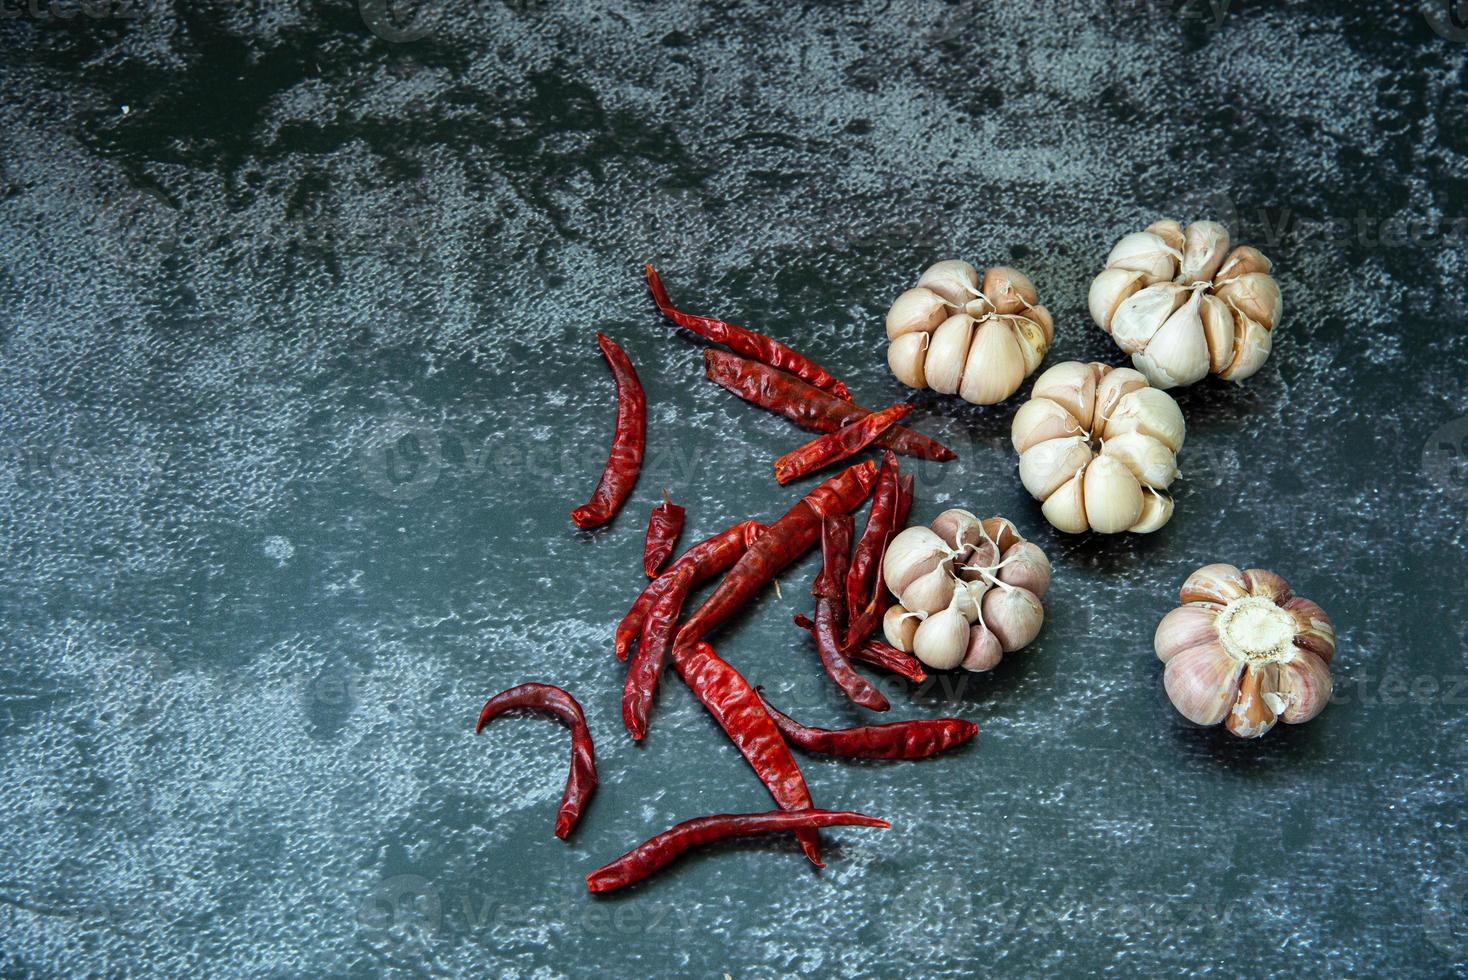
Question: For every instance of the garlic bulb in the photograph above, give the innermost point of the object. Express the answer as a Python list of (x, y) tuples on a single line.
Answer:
[(962, 334), (1097, 446), (1244, 650), (1184, 306), (968, 591)]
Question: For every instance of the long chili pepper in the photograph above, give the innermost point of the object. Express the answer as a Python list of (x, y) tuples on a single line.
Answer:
[(744, 341), (866, 559), (833, 447), (663, 528), (581, 783), (830, 616), (806, 405), (658, 852), (896, 740), (904, 505), (729, 698), (785, 540), (628, 443), (878, 654), (652, 650), (711, 556)]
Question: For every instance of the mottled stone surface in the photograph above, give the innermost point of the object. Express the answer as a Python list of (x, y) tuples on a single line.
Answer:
[(298, 385)]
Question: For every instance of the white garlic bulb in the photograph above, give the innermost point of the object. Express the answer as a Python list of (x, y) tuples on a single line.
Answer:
[(1097, 446), (1184, 306), (962, 334), (968, 591)]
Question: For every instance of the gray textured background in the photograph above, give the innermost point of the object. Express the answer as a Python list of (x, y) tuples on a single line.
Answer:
[(298, 385)]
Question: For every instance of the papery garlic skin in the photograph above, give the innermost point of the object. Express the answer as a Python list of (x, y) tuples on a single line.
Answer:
[(1097, 447), (981, 334), (968, 591), (1244, 651), (1184, 305)]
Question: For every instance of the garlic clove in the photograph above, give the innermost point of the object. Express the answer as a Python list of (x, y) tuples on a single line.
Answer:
[(1219, 582), (1306, 685), (957, 527), (1252, 713), (915, 311), (1032, 341), (1205, 243), (1149, 411), (995, 367), (1044, 467), (1040, 420), (1010, 290), (1041, 316), (1256, 294), (1147, 253), (1218, 329), (930, 592), (1202, 683), (952, 279), (978, 307), (1152, 463), (899, 625), (1314, 630), (1001, 531), (967, 597), (941, 640), (983, 652), (1177, 354), (1113, 496), (1141, 315), (1014, 616), (1265, 583), (947, 353), (1170, 232), (1243, 260), (905, 356), (912, 552), (1114, 385), (1066, 507), (1252, 344), (1025, 566), (1156, 511), (1072, 386), (1108, 290), (1183, 628)]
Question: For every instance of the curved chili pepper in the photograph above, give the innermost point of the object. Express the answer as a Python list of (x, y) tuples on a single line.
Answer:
[(744, 341), (830, 616), (878, 654), (833, 447), (895, 740), (581, 783), (873, 542), (711, 556), (729, 698), (663, 528), (904, 505), (628, 444), (806, 405), (658, 852), (652, 650), (785, 540)]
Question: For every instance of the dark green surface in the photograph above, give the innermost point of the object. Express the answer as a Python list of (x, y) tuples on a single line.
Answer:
[(299, 384)]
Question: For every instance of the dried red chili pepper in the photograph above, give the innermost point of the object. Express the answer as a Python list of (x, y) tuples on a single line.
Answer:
[(867, 558), (878, 654), (807, 406), (904, 506), (831, 619), (663, 528), (833, 447), (745, 341), (896, 740), (628, 443), (581, 783), (711, 556), (729, 698), (652, 651), (658, 852), (785, 540)]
